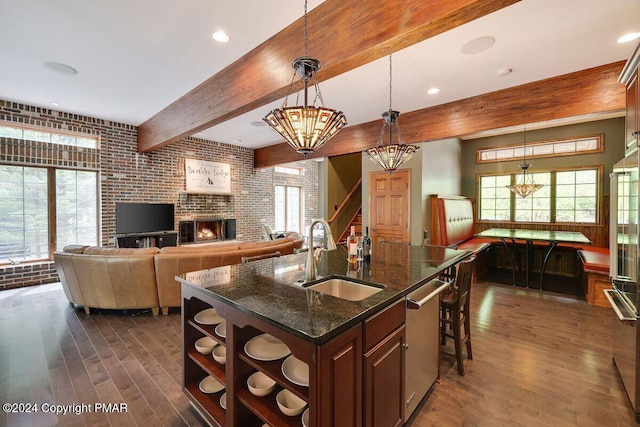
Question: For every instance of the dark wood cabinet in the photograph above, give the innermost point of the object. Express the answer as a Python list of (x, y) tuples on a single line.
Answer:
[(630, 77), (334, 395), (340, 370), (384, 382), (147, 240), (632, 113), (384, 366)]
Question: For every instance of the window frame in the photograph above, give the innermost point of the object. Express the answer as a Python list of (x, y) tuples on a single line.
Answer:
[(52, 131), (52, 208), (286, 206), (288, 170), (599, 196), (531, 146)]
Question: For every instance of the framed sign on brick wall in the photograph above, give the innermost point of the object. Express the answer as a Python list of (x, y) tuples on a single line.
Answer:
[(207, 177)]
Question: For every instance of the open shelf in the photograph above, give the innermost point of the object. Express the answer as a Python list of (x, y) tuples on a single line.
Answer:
[(210, 402), (267, 409), (274, 370), (208, 330), (207, 363)]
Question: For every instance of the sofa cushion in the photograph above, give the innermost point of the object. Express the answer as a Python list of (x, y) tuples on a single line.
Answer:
[(75, 249), (98, 250), (595, 260)]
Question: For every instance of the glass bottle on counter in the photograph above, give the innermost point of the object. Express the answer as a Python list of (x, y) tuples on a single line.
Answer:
[(352, 246), (366, 246)]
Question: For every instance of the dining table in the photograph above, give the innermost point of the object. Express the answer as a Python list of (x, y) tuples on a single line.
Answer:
[(529, 237)]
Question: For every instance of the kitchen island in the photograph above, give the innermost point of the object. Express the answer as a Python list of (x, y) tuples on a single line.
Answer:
[(355, 349)]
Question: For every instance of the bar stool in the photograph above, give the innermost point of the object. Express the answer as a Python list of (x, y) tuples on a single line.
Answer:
[(454, 312)]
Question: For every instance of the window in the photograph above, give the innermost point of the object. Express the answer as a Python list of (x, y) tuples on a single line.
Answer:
[(24, 228), (76, 208), (43, 135), (567, 196), (288, 208), (536, 207), (287, 170), (26, 210), (584, 145), (495, 198), (576, 194)]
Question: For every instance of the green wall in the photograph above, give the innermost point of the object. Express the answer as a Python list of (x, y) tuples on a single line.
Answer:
[(613, 130)]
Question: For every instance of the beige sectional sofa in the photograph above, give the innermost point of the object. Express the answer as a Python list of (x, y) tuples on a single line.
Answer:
[(122, 278)]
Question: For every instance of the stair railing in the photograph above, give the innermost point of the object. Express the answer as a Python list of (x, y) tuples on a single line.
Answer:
[(347, 211)]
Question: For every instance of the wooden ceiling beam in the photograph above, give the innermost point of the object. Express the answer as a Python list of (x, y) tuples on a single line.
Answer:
[(591, 91), (343, 34)]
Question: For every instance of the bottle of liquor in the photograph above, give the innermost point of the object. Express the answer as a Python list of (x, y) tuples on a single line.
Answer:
[(366, 246), (352, 246)]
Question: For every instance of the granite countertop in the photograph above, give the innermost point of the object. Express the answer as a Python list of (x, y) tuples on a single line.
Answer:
[(269, 288)]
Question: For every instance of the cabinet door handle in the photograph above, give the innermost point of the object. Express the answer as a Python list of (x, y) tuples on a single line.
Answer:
[(636, 133), (406, 346)]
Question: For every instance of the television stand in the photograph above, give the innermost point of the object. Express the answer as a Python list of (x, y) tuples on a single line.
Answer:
[(157, 239)]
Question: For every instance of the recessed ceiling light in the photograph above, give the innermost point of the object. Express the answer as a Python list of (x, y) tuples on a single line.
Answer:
[(55, 104), (258, 123), (60, 68), (433, 91), (478, 45), (220, 36), (628, 37), (504, 71)]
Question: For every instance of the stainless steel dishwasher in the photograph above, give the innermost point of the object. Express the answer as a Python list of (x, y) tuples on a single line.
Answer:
[(421, 348)]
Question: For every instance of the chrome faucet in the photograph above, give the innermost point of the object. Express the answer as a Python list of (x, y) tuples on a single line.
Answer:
[(313, 258)]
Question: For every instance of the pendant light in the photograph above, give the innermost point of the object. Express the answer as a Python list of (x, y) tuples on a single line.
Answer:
[(306, 128), (391, 156), (526, 186)]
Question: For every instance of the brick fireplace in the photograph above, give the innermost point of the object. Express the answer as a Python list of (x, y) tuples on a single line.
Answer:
[(207, 230)]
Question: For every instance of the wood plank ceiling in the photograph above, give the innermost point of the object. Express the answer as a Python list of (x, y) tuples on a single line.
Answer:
[(347, 34), (591, 91)]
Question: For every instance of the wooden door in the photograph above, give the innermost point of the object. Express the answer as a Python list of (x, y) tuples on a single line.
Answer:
[(389, 205)]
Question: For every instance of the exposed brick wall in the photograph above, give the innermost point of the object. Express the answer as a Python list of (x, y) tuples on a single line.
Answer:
[(27, 275), (158, 177)]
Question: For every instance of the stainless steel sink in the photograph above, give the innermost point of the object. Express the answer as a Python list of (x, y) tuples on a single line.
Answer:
[(344, 289)]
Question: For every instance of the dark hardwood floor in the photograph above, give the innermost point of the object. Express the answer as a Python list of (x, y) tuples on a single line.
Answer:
[(540, 358)]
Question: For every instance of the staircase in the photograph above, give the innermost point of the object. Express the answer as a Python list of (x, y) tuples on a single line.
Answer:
[(348, 213), (357, 223)]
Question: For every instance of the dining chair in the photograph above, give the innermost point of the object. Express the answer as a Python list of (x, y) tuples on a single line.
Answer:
[(455, 312)]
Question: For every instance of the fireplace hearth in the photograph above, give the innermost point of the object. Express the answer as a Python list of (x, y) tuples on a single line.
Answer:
[(207, 230)]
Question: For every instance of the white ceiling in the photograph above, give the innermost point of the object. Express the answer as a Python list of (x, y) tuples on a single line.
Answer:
[(136, 57)]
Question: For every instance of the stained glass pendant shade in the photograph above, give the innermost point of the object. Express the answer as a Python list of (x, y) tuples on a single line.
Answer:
[(390, 156), (307, 127)]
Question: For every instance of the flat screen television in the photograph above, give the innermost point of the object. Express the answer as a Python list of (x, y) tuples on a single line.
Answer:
[(144, 217)]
